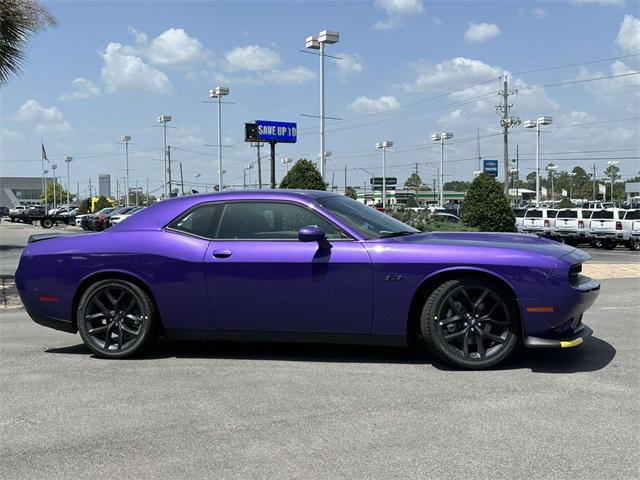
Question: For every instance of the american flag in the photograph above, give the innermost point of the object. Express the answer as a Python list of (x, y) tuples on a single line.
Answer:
[(44, 153)]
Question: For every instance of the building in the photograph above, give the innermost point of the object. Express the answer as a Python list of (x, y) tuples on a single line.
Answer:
[(21, 191), (104, 185)]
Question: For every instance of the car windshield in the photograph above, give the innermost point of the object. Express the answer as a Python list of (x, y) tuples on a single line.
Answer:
[(365, 220)]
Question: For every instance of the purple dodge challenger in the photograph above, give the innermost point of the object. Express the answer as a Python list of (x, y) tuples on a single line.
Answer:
[(287, 265)]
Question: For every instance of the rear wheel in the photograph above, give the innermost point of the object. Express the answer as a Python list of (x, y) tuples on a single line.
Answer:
[(46, 223), (116, 318), (608, 244), (470, 323)]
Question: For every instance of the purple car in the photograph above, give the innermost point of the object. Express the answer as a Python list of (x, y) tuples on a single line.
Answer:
[(303, 266)]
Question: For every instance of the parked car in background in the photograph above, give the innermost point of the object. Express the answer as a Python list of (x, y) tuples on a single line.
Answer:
[(605, 227), (519, 213), (570, 225), (118, 211), (117, 218), (539, 221), (445, 218), (631, 229), (89, 221)]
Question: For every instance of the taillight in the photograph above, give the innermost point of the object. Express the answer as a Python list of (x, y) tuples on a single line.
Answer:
[(546, 223), (580, 223), (618, 225)]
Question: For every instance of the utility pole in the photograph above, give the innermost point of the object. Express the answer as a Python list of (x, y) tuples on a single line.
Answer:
[(478, 149), (258, 145), (147, 192), (273, 164), (594, 182), (506, 122), (169, 169), (345, 180), (90, 196), (333, 181), (181, 181), (117, 190), (517, 173)]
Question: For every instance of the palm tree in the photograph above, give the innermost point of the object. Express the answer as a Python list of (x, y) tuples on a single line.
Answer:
[(19, 20)]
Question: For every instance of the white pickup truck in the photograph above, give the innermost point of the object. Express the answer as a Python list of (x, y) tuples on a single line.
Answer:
[(570, 225), (605, 227), (631, 229), (539, 221)]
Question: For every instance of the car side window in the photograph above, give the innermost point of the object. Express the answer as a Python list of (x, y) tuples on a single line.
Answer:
[(200, 221), (270, 221)]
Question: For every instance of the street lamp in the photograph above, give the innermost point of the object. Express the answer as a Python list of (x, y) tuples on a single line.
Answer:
[(441, 137), (126, 139), (247, 167), (612, 163), (571, 175), (67, 160), (55, 184), (286, 161), (384, 145), (536, 124), (552, 172), (318, 43), (218, 93), (164, 119), (197, 176)]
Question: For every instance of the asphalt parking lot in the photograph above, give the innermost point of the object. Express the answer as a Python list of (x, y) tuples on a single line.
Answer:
[(240, 411)]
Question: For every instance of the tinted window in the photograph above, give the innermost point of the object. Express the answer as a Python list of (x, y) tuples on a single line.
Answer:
[(519, 212), (552, 213), (567, 214), (199, 221), (269, 221), (602, 214), (534, 214), (632, 215)]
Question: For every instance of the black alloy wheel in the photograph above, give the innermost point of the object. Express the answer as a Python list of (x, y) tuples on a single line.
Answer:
[(116, 318), (470, 323)]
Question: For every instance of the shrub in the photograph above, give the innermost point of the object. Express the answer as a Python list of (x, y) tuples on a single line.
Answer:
[(303, 175), (486, 207), (565, 203)]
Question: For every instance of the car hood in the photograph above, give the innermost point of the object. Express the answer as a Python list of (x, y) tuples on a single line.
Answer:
[(515, 241)]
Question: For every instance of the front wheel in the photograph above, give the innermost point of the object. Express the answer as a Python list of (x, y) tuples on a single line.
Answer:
[(470, 323), (634, 244), (116, 318)]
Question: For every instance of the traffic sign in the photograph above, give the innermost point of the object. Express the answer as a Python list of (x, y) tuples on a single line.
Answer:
[(490, 167), (377, 181)]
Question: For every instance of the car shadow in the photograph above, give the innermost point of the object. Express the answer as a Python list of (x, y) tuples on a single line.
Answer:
[(595, 354)]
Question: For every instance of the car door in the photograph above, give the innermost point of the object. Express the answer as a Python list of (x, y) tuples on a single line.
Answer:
[(260, 277)]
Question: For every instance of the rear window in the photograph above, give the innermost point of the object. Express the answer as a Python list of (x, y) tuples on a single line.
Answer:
[(567, 214), (602, 214), (533, 214), (632, 215), (519, 212), (552, 213)]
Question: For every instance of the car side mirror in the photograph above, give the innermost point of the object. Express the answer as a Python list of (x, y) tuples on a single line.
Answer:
[(313, 233)]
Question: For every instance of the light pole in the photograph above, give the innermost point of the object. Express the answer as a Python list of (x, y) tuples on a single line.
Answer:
[(441, 137), (536, 124), (197, 177), (67, 160), (571, 175), (218, 93), (247, 167), (318, 43), (46, 190), (612, 163), (552, 172), (126, 139), (384, 145), (55, 184), (286, 161), (164, 119)]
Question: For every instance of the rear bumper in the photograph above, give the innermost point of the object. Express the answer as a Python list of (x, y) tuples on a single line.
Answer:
[(52, 322), (608, 234)]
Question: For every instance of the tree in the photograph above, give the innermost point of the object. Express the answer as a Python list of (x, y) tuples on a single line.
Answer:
[(486, 207), (457, 186), (350, 192), (305, 175), (411, 202), (84, 207), (565, 203), (414, 181), (101, 203), (19, 21), (59, 192)]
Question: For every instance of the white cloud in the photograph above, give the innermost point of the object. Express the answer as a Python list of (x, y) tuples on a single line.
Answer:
[(291, 76), (396, 9), (539, 13), (480, 32), (615, 93), (252, 58), (629, 34), (606, 3), (123, 72), (7, 135), (45, 119), (349, 64), (372, 105), (451, 74), (82, 89), (173, 47)]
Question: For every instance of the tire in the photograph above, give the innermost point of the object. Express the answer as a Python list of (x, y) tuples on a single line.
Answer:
[(609, 245), (596, 243), (46, 223), (449, 320), (117, 308), (634, 244)]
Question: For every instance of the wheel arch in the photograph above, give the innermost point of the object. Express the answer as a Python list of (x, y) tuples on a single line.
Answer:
[(431, 282), (117, 275)]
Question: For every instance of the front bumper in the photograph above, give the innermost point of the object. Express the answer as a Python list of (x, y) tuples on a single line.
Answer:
[(568, 341)]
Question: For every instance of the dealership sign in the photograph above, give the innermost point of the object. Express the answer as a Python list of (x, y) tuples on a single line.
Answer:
[(270, 131), (490, 167)]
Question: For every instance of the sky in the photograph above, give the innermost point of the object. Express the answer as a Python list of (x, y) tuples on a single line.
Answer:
[(405, 69)]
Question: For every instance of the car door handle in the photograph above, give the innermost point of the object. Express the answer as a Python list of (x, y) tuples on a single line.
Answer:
[(222, 253)]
